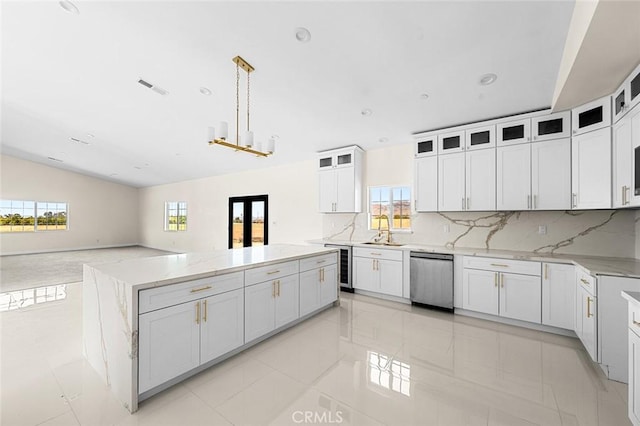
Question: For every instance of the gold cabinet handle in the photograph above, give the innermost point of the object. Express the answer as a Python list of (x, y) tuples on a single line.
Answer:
[(589, 314), (500, 265), (278, 288), (320, 275), (321, 261), (546, 271), (627, 192), (584, 281), (502, 280), (195, 290), (495, 279), (574, 198), (273, 289), (624, 192), (376, 254), (273, 272), (637, 323), (205, 311), (197, 312)]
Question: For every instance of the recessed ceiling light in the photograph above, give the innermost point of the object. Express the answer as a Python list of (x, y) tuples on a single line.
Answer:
[(488, 79), (55, 159), (205, 91), (366, 112), (76, 140), (383, 140), (137, 167), (424, 96), (303, 35), (69, 7)]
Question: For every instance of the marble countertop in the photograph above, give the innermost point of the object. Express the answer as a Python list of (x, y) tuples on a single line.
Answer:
[(162, 270), (614, 266)]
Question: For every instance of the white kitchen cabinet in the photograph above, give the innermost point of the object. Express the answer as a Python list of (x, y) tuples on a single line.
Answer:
[(551, 126), (591, 116), (328, 285), (627, 95), (480, 291), (426, 145), (635, 155), (480, 137), (169, 344), (340, 180), (270, 305), (222, 324), (513, 187), (513, 132), (426, 184), (634, 378), (451, 181), (480, 180), (376, 270), (558, 295), (622, 152), (586, 325), (591, 170), (451, 142), (551, 175), (520, 297)]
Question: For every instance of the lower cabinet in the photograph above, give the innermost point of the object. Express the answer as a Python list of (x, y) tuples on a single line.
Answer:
[(634, 378), (558, 295), (378, 270), (489, 290), (318, 288), (269, 305), (179, 338), (586, 320)]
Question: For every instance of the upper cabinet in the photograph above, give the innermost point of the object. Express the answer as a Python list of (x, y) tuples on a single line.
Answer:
[(552, 126), (340, 180), (627, 95), (591, 170), (426, 145), (591, 116), (451, 142), (514, 132), (480, 137)]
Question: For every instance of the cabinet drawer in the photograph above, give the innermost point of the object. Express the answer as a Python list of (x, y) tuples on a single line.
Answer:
[(585, 280), (271, 272), (376, 253), (634, 319), (503, 265), (169, 295), (318, 261)]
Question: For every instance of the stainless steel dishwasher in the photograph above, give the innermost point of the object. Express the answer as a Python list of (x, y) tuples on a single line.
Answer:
[(432, 280)]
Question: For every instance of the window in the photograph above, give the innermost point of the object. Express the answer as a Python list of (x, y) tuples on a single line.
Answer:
[(175, 216), (390, 208), (253, 232), (30, 216)]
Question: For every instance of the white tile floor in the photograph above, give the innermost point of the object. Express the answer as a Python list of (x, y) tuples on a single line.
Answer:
[(367, 362)]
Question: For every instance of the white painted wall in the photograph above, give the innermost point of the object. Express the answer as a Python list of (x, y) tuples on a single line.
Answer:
[(101, 213), (293, 207)]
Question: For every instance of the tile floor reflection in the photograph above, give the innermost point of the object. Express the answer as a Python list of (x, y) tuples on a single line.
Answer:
[(367, 362)]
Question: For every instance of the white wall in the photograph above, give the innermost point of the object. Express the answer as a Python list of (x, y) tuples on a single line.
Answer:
[(101, 213), (595, 232), (293, 207)]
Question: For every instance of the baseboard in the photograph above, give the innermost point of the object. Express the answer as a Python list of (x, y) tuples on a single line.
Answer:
[(518, 323), (17, 253)]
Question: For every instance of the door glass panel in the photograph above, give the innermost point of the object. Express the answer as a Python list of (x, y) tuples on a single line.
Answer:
[(426, 146), (257, 223), (513, 132), (480, 138), (238, 224), (636, 166), (549, 127), (635, 86), (592, 116), (344, 159), (619, 102), (451, 142), (325, 162)]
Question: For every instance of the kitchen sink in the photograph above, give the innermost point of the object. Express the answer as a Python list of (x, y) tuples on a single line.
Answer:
[(373, 243)]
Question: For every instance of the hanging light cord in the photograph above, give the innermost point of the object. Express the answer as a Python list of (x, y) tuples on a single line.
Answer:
[(248, 77)]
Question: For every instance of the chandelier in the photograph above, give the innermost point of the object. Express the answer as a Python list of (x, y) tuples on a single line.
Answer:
[(220, 135)]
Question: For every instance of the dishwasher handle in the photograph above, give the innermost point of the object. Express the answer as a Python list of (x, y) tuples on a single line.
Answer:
[(437, 256)]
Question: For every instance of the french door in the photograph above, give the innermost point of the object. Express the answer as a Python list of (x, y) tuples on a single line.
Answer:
[(248, 221)]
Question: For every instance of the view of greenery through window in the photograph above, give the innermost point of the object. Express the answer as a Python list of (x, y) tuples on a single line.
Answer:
[(30, 216), (175, 216), (390, 207)]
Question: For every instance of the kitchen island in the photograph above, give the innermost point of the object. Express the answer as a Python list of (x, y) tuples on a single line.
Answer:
[(150, 323)]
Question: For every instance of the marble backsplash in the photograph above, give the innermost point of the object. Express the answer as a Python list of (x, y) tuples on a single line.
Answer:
[(609, 233)]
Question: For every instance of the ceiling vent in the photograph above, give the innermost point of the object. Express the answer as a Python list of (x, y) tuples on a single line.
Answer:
[(156, 89)]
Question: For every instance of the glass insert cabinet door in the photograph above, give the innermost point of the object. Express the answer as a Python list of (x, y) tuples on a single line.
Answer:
[(248, 221)]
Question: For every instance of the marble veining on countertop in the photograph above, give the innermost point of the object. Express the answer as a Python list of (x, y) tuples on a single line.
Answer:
[(596, 265), (162, 270)]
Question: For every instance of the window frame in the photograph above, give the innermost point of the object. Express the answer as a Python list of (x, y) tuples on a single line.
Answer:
[(36, 226), (390, 189), (167, 216), (247, 202)]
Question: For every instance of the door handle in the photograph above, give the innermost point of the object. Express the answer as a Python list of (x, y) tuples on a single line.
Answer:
[(528, 201), (574, 199), (546, 271), (273, 289), (467, 203), (502, 280), (278, 284), (205, 311), (462, 203), (495, 279), (589, 314), (198, 313)]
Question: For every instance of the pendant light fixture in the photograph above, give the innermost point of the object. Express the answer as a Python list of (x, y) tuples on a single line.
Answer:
[(220, 135)]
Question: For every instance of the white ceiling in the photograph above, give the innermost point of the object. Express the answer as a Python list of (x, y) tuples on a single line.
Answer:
[(66, 75)]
